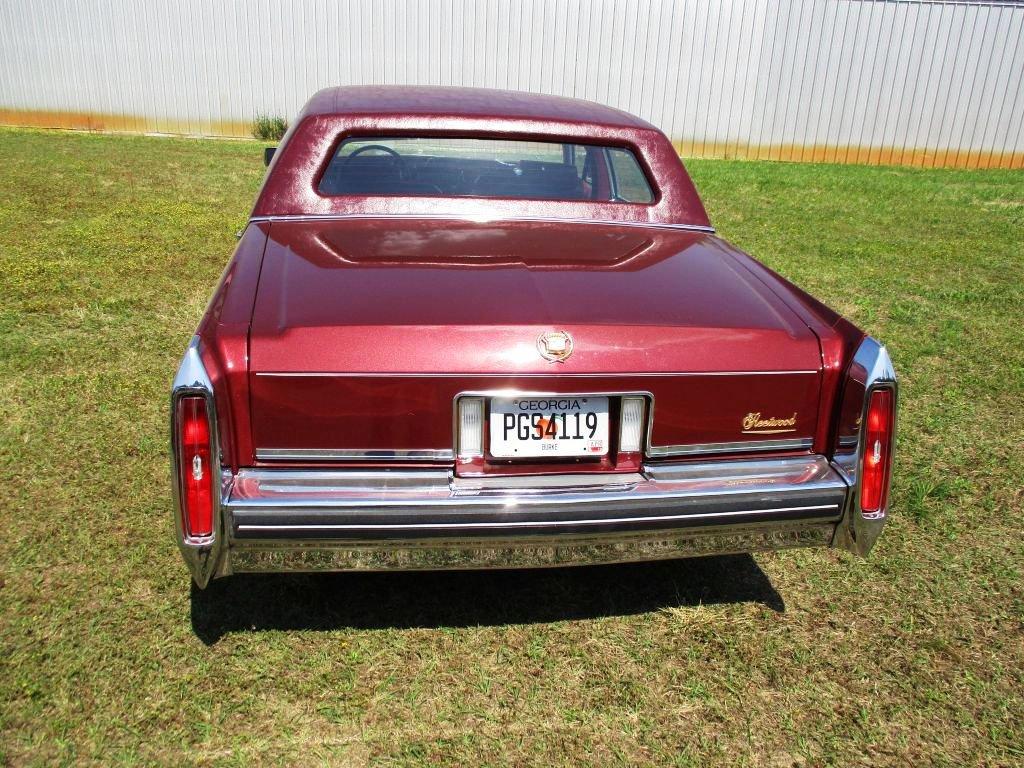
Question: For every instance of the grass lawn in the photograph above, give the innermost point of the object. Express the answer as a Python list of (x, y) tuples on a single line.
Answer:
[(109, 248)]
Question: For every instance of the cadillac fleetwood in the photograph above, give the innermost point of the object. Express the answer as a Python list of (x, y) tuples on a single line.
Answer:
[(468, 328)]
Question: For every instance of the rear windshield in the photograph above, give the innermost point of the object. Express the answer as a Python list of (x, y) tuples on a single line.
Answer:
[(474, 167)]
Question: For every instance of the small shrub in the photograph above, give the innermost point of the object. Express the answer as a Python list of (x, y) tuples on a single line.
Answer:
[(266, 128)]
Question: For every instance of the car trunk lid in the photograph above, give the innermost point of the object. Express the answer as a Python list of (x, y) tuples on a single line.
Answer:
[(365, 329)]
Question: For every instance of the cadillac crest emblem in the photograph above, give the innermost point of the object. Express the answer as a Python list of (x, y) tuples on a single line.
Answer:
[(555, 346)]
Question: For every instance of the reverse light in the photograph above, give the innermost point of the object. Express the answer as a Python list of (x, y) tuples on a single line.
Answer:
[(195, 473), (471, 427), (631, 424), (878, 434)]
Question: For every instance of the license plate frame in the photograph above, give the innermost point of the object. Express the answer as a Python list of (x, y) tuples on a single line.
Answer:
[(556, 427)]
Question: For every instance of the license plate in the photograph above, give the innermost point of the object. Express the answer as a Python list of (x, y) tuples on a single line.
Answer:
[(562, 425)]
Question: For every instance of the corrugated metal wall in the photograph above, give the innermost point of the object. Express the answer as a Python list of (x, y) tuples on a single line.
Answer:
[(890, 81)]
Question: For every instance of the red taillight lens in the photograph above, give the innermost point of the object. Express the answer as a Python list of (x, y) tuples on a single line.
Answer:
[(877, 448), (195, 475)]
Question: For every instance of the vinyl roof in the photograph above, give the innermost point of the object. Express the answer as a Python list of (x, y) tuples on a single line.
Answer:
[(465, 102)]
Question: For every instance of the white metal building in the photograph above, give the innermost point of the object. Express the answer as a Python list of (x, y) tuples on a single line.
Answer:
[(917, 82)]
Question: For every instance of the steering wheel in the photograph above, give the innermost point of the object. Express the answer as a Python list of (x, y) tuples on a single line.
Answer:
[(379, 147)]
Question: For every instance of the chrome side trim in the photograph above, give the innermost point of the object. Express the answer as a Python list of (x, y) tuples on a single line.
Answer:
[(477, 218), (201, 554), (559, 374), (870, 369), (353, 454), (742, 446)]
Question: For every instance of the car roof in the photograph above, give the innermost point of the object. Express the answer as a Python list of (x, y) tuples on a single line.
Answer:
[(290, 187), (485, 103)]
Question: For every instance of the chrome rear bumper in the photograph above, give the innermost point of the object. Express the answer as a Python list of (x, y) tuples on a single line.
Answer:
[(287, 520)]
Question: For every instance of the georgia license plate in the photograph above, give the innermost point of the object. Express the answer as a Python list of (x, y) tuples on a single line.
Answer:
[(562, 425)]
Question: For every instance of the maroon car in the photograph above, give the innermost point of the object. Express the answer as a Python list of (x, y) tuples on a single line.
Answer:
[(483, 329)]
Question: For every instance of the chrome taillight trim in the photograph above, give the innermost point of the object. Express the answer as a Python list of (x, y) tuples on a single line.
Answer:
[(201, 553), (870, 370)]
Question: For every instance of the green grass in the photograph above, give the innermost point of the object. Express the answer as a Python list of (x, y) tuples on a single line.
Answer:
[(109, 247)]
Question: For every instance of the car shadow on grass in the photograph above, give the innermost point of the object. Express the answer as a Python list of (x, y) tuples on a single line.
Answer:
[(404, 600)]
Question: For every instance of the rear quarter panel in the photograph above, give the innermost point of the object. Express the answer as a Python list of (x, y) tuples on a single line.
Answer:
[(224, 343), (838, 337)]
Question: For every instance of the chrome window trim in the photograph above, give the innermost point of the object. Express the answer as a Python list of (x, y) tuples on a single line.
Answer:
[(482, 219), (201, 552)]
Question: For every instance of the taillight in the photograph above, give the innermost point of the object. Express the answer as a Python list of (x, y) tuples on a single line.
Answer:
[(878, 432), (195, 474)]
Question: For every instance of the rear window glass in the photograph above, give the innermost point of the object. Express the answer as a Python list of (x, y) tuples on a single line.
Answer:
[(475, 167)]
